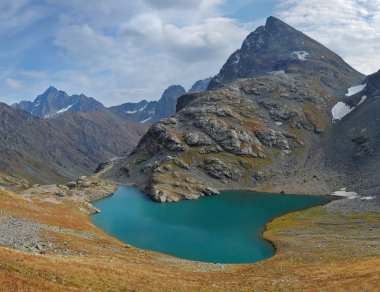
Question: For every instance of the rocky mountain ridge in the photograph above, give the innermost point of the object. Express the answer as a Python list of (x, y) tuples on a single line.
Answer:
[(54, 102), (150, 112), (262, 125), (277, 46)]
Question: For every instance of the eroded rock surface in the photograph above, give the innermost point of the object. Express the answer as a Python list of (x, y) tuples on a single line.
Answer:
[(261, 125)]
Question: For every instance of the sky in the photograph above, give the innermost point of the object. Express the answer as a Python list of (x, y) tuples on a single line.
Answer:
[(118, 51)]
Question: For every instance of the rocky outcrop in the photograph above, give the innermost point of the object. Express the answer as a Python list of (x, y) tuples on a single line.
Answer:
[(197, 139), (261, 125), (216, 168), (273, 138), (185, 100)]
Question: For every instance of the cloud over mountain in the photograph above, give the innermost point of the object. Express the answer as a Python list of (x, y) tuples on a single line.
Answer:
[(131, 50)]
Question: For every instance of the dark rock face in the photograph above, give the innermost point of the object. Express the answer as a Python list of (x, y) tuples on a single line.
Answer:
[(200, 85), (354, 142), (166, 106), (185, 100), (280, 47), (54, 102), (151, 112)]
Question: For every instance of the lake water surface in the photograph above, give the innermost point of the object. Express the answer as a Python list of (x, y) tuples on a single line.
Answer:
[(226, 228)]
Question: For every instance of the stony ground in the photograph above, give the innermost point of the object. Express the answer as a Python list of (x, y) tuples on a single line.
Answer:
[(44, 236)]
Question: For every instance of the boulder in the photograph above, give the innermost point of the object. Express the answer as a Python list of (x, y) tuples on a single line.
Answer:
[(273, 138), (216, 168), (196, 139)]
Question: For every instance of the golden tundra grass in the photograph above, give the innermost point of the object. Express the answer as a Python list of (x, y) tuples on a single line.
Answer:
[(316, 251)]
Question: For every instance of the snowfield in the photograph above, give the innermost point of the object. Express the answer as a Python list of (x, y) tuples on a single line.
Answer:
[(355, 89), (135, 111), (64, 109), (341, 109), (144, 121)]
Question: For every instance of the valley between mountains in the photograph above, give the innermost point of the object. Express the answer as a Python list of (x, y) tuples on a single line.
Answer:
[(284, 115)]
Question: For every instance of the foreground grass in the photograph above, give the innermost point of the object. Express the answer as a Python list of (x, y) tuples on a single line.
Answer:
[(316, 250)]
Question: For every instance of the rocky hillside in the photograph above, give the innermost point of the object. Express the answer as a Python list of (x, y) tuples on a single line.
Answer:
[(61, 148), (262, 125), (54, 102), (354, 141)]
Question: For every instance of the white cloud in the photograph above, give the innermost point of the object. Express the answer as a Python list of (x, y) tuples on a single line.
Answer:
[(15, 16), (35, 75), (14, 84), (161, 43), (351, 28), (82, 42), (120, 50)]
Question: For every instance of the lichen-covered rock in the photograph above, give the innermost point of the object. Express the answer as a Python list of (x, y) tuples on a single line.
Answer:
[(213, 127), (160, 137), (211, 149), (240, 143), (273, 138), (216, 168), (196, 139)]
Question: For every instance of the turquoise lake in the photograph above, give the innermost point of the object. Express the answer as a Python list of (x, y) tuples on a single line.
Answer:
[(226, 228)]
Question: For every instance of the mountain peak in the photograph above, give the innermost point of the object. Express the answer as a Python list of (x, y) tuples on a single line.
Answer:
[(53, 102), (274, 21), (278, 46), (51, 89)]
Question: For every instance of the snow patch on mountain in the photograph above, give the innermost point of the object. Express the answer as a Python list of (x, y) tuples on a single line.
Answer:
[(65, 109), (355, 89), (364, 97), (344, 193), (301, 55), (341, 109), (144, 121), (138, 110)]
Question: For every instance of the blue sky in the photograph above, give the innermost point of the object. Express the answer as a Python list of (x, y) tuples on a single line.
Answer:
[(118, 51)]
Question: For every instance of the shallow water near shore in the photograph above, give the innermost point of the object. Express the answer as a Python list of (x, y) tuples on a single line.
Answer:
[(226, 228)]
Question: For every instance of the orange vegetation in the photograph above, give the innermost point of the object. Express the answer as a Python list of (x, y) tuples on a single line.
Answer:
[(317, 250)]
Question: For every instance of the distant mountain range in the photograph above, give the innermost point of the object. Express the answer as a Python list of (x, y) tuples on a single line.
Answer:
[(54, 102)]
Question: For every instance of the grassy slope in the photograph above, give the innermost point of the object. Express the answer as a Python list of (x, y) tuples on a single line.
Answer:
[(317, 250)]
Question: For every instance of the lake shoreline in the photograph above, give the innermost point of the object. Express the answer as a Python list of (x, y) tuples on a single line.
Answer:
[(109, 220), (314, 242)]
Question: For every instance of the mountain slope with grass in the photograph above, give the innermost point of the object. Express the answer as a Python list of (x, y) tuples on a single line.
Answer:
[(61, 148)]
